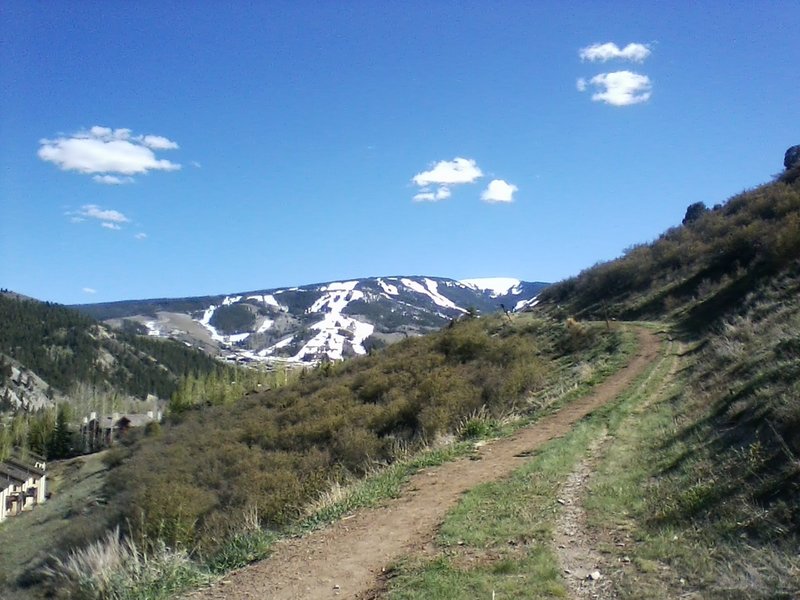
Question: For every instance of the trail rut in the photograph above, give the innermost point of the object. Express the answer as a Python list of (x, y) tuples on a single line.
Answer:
[(346, 559)]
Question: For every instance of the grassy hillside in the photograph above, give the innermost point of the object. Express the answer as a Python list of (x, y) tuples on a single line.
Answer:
[(730, 283), (696, 274)]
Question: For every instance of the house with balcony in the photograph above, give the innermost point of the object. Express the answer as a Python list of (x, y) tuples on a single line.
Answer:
[(23, 482)]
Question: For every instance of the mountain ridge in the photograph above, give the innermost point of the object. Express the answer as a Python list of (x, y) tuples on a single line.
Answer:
[(315, 322)]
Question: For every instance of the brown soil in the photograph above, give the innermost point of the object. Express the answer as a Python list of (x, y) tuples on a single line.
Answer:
[(348, 559)]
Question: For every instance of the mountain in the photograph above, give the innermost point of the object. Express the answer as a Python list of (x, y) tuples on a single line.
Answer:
[(315, 322)]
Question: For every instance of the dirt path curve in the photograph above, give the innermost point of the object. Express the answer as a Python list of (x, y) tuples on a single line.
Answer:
[(346, 559)]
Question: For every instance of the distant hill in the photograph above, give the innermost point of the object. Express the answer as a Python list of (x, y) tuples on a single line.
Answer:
[(315, 322)]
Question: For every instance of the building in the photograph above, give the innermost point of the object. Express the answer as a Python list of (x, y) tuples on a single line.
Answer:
[(102, 431), (23, 481)]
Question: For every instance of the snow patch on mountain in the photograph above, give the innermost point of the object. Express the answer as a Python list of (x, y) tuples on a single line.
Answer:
[(335, 329), (265, 325), (339, 286), (523, 304), (205, 321), (335, 302), (496, 286), (271, 350)]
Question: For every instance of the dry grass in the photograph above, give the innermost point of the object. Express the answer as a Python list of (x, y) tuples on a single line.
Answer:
[(113, 568)]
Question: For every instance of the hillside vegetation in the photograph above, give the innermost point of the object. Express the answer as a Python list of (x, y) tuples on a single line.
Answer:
[(698, 273), (274, 452)]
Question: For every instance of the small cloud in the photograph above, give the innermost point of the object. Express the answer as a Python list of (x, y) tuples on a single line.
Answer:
[(195, 164), (107, 152), (158, 142), (95, 212), (449, 172), (110, 219), (581, 84), (609, 51), (499, 190), (140, 236), (444, 174), (621, 88), (88, 290), (426, 195), (112, 179)]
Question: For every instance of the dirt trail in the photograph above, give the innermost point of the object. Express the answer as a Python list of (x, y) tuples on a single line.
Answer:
[(576, 549), (575, 542), (346, 559)]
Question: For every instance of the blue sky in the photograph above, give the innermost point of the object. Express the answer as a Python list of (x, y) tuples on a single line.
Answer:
[(163, 149)]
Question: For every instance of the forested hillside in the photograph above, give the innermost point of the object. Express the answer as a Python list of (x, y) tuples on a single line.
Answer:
[(66, 348)]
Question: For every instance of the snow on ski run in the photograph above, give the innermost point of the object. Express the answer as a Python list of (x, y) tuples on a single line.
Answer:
[(388, 288), (431, 290), (269, 300)]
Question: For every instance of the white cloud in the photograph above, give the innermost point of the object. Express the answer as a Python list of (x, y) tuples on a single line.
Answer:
[(499, 190), (449, 172), (112, 179), (158, 142), (108, 153), (426, 195), (88, 290), (141, 236), (581, 84), (609, 51), (95, 212), (621, 88), (109, 225)]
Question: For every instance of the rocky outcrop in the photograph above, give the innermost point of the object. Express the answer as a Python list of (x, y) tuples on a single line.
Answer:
[(792, 157)]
